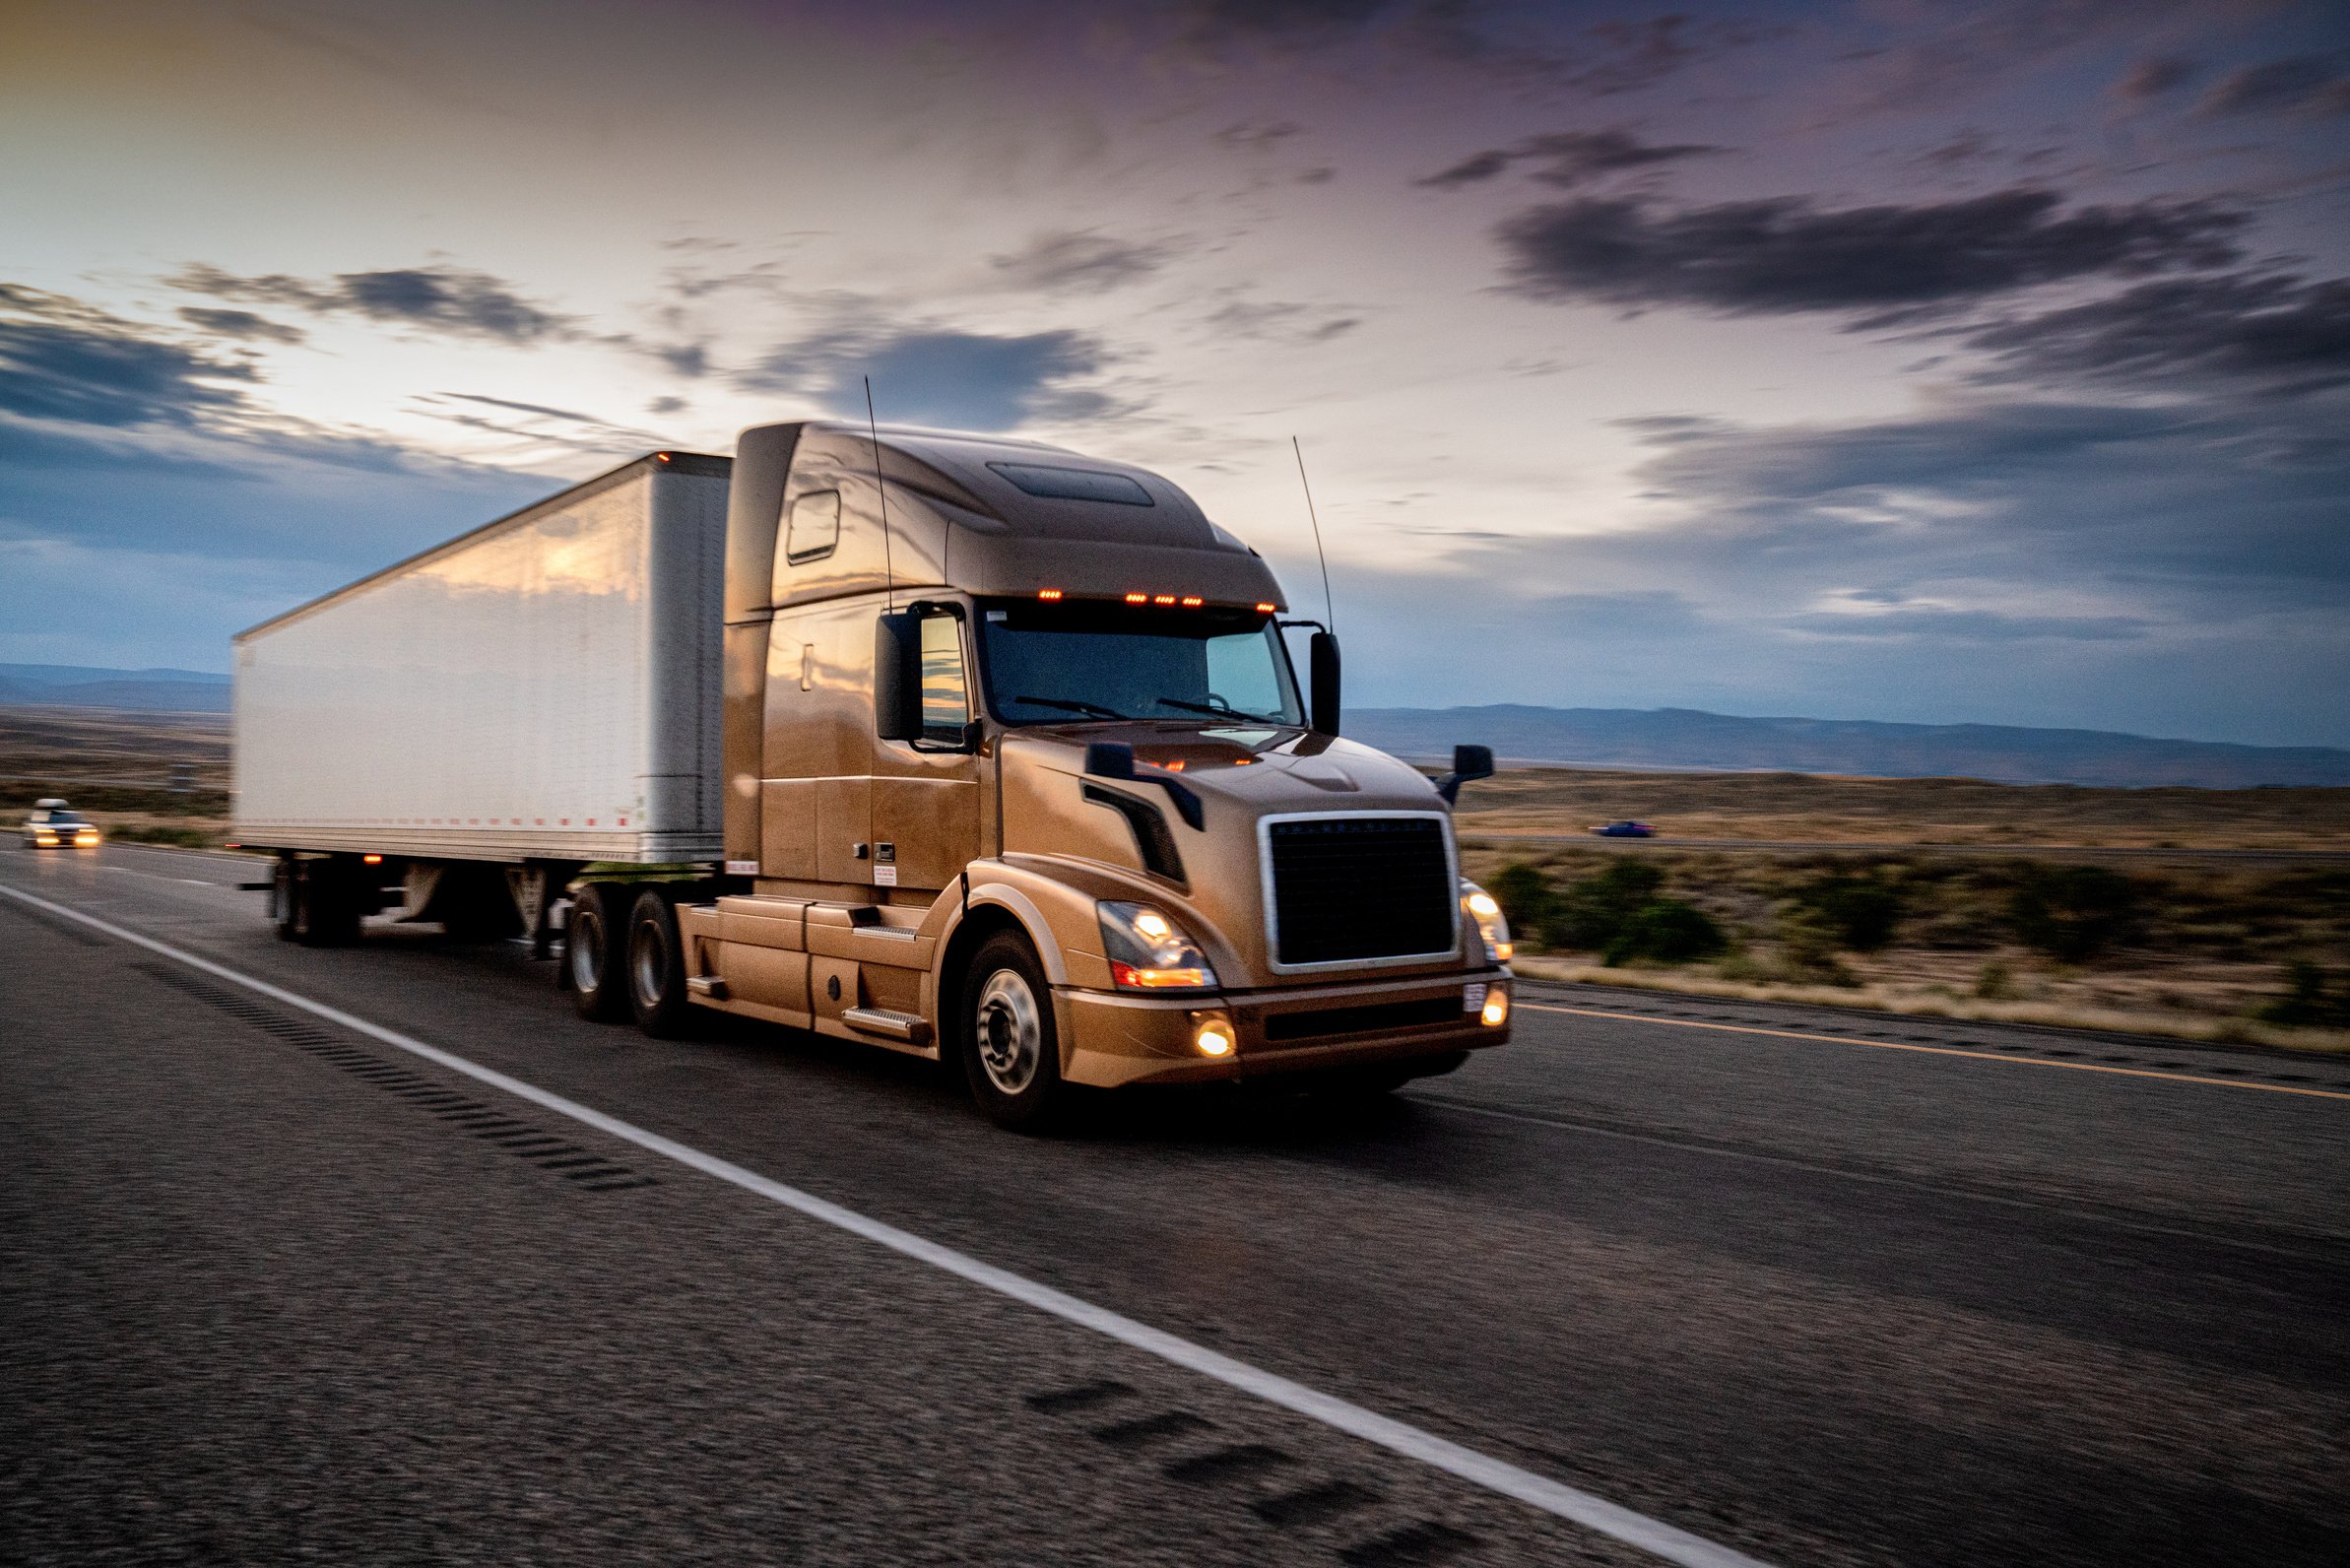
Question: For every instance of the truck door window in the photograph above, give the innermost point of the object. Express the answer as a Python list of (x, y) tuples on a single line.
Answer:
[(946, 691), (815, 527)]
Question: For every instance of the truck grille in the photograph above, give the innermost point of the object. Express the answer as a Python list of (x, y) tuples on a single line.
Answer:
[(1347, 889)]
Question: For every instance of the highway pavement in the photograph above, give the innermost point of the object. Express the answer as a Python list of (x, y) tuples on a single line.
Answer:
[(396, 1260)]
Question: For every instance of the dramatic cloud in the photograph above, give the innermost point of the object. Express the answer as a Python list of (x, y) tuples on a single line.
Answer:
[(2278, 333), (61, 360), (1787, 255), (1069, 262), (2312, 84), (240, 324), (447, 299), (1569, 159), (940, 377)]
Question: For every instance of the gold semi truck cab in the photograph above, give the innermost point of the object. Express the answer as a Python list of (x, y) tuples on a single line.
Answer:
[(1017, 772)]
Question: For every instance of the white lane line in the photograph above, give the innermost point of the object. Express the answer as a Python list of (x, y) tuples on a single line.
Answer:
[(1540, 1491)]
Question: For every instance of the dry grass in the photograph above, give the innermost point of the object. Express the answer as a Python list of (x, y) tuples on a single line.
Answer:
[(65, 752), (2202, 953), (1932, 1000), (1806, 808)]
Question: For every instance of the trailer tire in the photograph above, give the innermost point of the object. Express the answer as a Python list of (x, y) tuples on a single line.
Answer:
[(596, 954), (281, 900), (656, 967), (326, 910), (1011, 1046)]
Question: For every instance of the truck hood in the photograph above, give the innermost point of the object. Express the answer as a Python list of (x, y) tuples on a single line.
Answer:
[(1241, 773)]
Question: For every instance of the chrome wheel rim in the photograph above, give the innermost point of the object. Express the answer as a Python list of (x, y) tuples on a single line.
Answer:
[(587, 953), (1008, 1031)]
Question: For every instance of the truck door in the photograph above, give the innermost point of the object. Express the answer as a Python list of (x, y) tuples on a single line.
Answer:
[(926, 802)]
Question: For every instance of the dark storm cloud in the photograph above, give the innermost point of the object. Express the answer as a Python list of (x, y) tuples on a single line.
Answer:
[(447, 299), (2314, 84), (927, 376), (2273, 333), (1072, 262), (1788, 255), (1567, 158), (65, 360), (2203, 504), (240, 324)]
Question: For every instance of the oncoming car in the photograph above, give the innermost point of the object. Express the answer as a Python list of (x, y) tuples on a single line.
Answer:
[(1626, 831), (54, 826)]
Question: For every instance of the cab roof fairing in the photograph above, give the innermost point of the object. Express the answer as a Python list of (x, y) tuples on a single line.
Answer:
[(956, 523)]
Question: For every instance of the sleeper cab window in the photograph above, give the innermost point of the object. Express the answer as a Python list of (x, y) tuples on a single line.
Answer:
[(814, 528), (946, 704)]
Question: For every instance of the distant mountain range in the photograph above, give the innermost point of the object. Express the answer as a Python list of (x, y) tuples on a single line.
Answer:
[(1677, 738), (87, 686), (1655, 739)]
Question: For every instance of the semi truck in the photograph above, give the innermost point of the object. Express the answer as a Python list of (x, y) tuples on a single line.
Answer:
[(960, 745)]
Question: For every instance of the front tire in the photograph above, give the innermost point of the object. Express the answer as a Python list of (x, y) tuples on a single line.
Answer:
[(657, 967), (1010, 1048), (595, 955)]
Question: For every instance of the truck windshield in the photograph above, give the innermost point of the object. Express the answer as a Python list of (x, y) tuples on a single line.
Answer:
[(1049, 663)]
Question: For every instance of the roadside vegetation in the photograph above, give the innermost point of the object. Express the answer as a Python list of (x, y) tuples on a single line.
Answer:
[(2254, 954), (1811, 809)]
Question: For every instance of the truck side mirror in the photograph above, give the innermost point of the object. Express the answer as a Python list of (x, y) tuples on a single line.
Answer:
[(1469, 763), (1322, 660), (898, 677)]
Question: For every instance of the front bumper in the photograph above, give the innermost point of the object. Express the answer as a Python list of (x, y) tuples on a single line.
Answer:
[(1114, 1038)]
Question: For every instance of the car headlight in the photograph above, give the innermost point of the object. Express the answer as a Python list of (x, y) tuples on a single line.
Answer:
[(1148, 952), (45, 839), (1482, 909)]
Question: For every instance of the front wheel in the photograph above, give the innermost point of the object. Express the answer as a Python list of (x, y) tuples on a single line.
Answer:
[(1012, 1052)]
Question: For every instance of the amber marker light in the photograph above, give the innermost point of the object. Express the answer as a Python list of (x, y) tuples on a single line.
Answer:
[(1267, 609), (1048, 593), (1164, 599), (1213, 1036), (1497, 1008), (1192, 601), (1138, 599), (372, 860)]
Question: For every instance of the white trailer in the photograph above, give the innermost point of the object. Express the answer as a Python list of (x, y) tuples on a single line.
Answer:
[(477, 722), (545, 687)]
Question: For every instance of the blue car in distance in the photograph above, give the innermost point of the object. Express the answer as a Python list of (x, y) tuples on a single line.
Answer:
[(1626, 831)]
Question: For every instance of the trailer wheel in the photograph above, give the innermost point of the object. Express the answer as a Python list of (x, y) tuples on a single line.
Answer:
[(326, 910), (595, 956), (281, 900), (1011, 1049), (657, 967)]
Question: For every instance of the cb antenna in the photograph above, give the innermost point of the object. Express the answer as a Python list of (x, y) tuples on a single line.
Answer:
[(889, 577), (1329, 613)]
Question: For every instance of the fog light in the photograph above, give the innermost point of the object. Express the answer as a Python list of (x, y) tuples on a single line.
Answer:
[(1497, 1008), (1214, 1037)]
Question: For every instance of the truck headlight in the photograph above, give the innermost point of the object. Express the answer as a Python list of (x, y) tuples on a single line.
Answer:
[(1481, 909), (1148, 952)]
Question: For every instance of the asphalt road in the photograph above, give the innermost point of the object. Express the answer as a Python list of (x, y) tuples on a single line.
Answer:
[(1816, 1287)]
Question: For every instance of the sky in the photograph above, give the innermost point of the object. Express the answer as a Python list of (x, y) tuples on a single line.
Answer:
[(1896, 360)]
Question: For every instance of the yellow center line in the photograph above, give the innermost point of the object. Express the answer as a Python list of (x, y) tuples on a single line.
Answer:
[(1944, 1050)]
